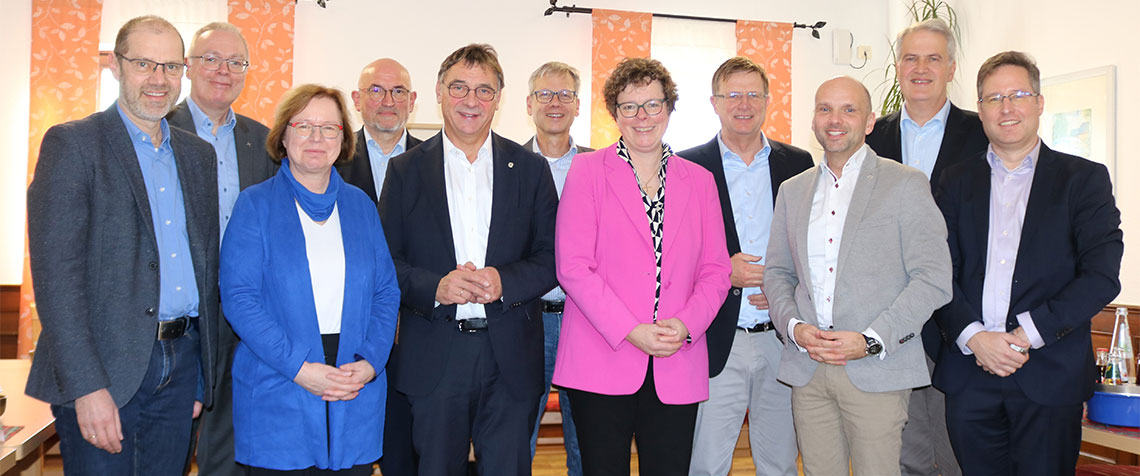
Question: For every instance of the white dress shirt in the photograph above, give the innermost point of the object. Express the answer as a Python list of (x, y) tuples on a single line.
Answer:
[(829, 207), (324, 247), (469, 185)]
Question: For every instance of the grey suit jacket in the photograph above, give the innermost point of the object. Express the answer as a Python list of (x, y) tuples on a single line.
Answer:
[(254, 164), (893, 272), (94, 258)]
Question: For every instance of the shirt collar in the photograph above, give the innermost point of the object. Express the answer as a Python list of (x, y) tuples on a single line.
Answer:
[(201, 119), (854, 163), (398, 149), (939, 119), (137, 134), (1027, 164), (569, 153), (450, 150), (727, 155)]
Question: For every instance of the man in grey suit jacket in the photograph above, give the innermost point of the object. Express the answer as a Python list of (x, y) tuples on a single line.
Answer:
[(216, 65), (123, 240), (852, 278), (552, 103)]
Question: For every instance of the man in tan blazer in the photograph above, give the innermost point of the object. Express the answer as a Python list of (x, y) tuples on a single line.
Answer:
[(851, 279)]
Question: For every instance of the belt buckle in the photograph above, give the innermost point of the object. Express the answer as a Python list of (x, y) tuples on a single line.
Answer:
[(172, 329), (469, 327)]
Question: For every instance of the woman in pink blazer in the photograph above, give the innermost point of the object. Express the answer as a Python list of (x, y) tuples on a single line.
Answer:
[(640, 252)]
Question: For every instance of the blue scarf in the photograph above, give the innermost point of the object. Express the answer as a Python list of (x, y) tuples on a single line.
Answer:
[(319, 206)]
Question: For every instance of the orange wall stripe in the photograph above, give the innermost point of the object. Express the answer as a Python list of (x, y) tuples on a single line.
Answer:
[(268, 29), (64, 87), (616, 35), (769, 44)]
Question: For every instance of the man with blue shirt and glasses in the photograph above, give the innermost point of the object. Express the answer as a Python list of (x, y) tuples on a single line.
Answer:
[(216, 65), (930, 134), (123, 240), (385, 99), (744, 348), (553, 105)]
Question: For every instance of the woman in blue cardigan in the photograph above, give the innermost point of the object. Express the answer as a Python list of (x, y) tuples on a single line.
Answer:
[(308, 285)]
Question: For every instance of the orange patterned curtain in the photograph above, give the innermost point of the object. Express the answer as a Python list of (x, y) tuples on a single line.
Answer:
[(64, 87), (617, 35), (268, 28), (769, 44)]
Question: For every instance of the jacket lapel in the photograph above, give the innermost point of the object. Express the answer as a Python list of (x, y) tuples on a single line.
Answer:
[(435, 188), (122, 145), (1041, 194), (678, 189), (622, 182), (799, 210), (860, 198), (504, 193)]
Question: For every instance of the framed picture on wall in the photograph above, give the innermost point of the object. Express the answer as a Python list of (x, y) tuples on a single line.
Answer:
[(423, 130), (1080, 115)]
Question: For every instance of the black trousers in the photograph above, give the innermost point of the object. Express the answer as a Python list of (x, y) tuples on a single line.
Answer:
[(607, 423), (473, 406), (997, 430)]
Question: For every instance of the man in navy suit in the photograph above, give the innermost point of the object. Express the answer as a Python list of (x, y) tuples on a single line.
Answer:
[(469, 218), (744, 351), (930, 134), (216, 65), (1035, 239), (123, 241), (385, 99)]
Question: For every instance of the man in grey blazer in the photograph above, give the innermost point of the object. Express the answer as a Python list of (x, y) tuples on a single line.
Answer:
[(123, 240), (851, 278), (552, 103), (216, 65)]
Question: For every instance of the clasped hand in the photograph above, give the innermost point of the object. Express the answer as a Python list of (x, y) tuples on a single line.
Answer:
[(335, 383), (830, 347), (468, 284), (660, 339), (992, 351)]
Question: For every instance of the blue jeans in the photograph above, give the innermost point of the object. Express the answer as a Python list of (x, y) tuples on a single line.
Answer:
[(552, 326), (155, 421)]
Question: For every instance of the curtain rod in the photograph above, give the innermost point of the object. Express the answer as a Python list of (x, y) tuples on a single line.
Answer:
[(554, 8)]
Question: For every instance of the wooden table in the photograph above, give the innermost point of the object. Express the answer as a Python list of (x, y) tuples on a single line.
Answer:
[(34, 415), (1116, 437), (7, 459)]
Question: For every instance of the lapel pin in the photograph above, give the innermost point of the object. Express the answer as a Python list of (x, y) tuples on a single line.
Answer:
[(247, 144), (510, 165)]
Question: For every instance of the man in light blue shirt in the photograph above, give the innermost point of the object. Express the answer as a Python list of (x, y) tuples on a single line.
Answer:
[(744, 348), (930, 134), (553, 105), (217, 63), (385, 99)]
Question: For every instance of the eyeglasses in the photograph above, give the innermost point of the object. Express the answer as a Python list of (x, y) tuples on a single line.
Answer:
[(737, 96), (377, 93), (565, 96), (145, 66), (1016, 98), (212, 63), (652, 107), (460, 91), (305, 129)]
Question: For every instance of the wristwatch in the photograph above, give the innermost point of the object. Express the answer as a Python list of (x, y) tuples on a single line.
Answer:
[(873, 345)]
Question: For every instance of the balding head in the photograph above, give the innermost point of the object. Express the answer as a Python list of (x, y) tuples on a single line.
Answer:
[(842, 118), (385, 99)]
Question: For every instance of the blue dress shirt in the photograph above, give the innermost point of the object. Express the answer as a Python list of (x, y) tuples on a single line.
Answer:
[(559, 168), (920, 145), (379, 160), (178, 291), (750, 193), (224, 146)]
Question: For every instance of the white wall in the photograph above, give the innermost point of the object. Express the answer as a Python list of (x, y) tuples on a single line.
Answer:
[(1065, 38), (16, 28)]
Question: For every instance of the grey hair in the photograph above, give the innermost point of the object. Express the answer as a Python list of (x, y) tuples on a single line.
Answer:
[(553, 68), (934, 25), (219, 26)]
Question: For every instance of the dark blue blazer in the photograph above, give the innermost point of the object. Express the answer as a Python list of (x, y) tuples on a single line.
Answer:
[(413, 208), (268, 299), (358, 171), (784, 162), (95, 262), (1068, 269), (963, 139)]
